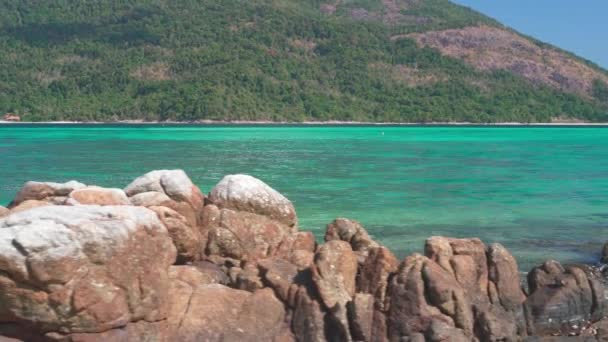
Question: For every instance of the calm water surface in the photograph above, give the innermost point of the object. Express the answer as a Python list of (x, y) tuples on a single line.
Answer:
[(542, 192)]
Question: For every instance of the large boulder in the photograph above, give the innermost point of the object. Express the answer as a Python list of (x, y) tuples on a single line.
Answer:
[(184, 201), (248, 221), (249, 194), (55, 193), (83, 269), (563, 299)]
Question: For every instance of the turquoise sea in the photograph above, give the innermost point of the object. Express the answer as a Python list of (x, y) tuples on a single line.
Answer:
[(541, 191)]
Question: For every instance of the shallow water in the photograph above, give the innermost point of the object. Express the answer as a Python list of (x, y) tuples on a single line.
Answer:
[(542, 192)]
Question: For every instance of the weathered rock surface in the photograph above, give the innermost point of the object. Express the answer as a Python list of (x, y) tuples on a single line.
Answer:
[(248, 221), (334, 274), (353, 233), (83, 269), (219, 313), (249, 194), (45, 191), (563, 299)]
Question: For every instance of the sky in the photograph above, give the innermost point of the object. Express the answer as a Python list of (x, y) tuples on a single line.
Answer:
[(579, 26)]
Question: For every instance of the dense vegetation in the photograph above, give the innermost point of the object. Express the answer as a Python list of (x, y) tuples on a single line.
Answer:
[(252, 60)]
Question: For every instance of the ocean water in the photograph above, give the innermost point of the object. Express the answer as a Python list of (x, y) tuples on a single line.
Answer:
[(540, 191)]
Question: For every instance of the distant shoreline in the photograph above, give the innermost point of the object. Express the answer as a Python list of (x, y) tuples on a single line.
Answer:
[(301, 123)]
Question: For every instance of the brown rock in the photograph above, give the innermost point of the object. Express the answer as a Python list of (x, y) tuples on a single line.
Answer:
[(83, 269), (463, 258), (44, 191), (308, 322), (604, 251), (334, 274), (409, 312), (352, 232), (218, 313), (186, 238), (445, 293), (361, 315), (503, 272), (298, 249), (99, 196), (279, 274), (245, 236), (3, 211), (560, 301), (374, 274)]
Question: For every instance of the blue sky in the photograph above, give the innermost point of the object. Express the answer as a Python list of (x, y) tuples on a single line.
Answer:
[(579, 26)]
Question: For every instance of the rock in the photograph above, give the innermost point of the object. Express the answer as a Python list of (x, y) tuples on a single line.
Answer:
[(374, 274), (245, 236), (439, 331), (308, 322), (99, 196), (187, 239), (249, 194), (168, 188), (279, 274), (44, 191), (83, 269), (604, 253), (504, 276), (334, 273), (218, 313), (193, 275), (353, 233), (299, 249), (173, 183), (361, 315), (183, 203), (3, 211), (559, 301), (445, 293), (463, 258), (213, 273), (248, 278)]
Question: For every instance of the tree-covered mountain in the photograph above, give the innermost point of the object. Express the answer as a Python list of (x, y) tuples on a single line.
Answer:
[(284, 60)]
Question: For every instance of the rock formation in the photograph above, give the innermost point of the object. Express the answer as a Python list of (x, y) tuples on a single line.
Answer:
[(160, 262)]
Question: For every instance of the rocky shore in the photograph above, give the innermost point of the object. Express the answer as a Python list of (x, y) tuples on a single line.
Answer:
[(161, 261)]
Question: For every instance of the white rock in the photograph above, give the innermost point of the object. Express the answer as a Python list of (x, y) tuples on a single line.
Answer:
[(174, 183), (247, 193)]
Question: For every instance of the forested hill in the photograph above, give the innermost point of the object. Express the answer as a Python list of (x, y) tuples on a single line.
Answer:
[(284, 60)]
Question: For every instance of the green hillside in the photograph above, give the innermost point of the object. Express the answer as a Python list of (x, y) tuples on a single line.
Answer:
[(281, 60)]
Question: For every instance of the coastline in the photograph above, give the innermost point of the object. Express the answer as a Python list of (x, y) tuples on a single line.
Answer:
[(305, 123)]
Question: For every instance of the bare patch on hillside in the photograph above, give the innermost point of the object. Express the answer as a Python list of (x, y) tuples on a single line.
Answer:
[(403, 74), (488, 48), (153, 72), (303, 44), (47, 77)]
